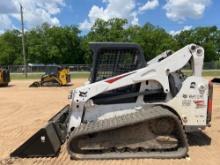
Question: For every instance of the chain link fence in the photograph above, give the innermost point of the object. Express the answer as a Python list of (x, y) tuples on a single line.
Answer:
[(41, 68), (214, 65)]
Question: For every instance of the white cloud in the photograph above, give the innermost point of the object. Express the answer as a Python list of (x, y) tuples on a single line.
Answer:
[(149, 5), (5, 22), (8, 6), (180, 10), (114, 8), (35, 12), (185, 28), (85, 25)]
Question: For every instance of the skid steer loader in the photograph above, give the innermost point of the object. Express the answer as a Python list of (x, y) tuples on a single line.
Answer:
[(130, 108), (54, 76), (4, 77)]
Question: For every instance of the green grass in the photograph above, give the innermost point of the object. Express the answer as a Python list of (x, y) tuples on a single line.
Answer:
[(21, 76), (206, 73), (74, 75), (211, 73)]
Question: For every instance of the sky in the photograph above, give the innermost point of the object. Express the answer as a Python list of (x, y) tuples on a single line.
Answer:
[(172, 15)]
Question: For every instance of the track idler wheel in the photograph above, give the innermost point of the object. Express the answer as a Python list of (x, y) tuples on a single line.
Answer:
[(162, 126)]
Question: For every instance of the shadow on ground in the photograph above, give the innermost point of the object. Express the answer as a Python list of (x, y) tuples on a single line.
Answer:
[(198, 139), (7, 86)]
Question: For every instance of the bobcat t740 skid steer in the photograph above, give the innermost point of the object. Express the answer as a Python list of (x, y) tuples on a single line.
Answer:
[(130, 108)]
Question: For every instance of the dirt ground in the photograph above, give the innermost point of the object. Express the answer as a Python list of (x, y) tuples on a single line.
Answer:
[(24, 110)]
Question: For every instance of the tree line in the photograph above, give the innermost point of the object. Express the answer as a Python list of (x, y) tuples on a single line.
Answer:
[(47, 44)]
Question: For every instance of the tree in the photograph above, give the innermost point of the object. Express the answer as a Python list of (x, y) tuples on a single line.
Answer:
[(111, 30), (207, 37), (154, 40), (62, 45), (55, 45), (10, 48)]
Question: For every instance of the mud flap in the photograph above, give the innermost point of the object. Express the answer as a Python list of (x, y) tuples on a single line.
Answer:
[(47, 141), (216, 80)]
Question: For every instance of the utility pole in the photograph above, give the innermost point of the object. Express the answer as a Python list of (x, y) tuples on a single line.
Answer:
[(23, 44)]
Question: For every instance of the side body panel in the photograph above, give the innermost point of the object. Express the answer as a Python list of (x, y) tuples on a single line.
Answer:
[(191, 101)]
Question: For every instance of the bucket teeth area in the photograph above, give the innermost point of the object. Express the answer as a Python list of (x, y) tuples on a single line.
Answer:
[(47, 141)]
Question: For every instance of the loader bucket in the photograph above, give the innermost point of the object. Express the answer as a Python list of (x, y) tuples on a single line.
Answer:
[(47, 141), (216, 80), (35, 84)]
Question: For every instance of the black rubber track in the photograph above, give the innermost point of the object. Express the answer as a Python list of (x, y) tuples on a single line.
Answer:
[(142, 115)]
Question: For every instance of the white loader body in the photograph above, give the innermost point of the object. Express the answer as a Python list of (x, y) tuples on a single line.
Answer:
[(189, 103)]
